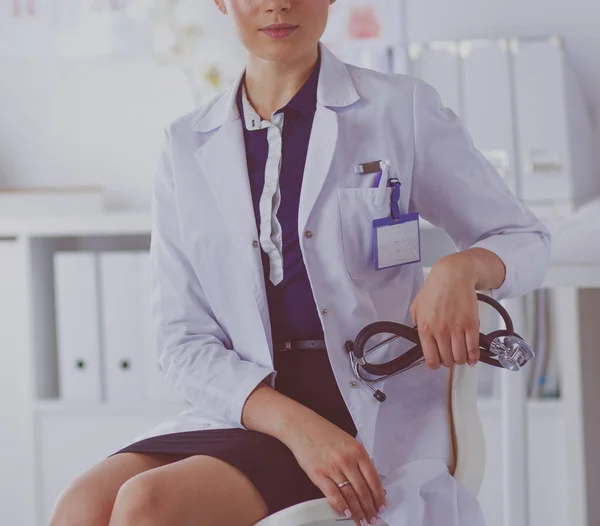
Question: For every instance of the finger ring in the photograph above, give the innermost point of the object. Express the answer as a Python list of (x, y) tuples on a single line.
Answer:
[(346, 483)]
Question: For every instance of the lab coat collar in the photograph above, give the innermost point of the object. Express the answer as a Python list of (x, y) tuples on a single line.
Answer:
[(335, 90)]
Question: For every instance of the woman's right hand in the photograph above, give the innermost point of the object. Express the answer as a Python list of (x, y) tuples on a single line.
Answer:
[(330, 456)]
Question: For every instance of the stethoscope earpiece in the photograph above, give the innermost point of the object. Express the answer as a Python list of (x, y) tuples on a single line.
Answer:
[(502, 348)]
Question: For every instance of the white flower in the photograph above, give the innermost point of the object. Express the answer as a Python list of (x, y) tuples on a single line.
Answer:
[(194, 36)]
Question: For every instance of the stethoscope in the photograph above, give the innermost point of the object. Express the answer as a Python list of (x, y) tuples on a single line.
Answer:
[(502, 348)]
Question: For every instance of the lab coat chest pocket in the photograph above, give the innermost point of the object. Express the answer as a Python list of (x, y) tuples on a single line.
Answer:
[(358, 209)]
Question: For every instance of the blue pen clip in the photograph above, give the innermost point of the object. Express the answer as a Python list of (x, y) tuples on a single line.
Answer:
[(395, 198)]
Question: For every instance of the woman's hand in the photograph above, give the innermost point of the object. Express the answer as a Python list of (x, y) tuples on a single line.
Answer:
[(446, 312), (330, 456)]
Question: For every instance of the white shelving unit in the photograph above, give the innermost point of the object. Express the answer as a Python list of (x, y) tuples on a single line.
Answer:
[(45, 443)]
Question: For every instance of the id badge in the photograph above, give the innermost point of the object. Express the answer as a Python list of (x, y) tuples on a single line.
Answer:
[(396, 239)]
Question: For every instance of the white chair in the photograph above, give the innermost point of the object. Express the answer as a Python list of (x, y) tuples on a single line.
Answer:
[(468, 452)]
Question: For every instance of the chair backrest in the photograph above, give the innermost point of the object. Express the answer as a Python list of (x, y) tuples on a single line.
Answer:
[(467, 431)]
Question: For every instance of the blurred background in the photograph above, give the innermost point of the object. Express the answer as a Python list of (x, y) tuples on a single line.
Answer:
[(86, 89)]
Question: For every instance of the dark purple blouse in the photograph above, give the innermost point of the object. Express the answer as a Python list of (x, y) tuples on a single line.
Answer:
[(292, 308)]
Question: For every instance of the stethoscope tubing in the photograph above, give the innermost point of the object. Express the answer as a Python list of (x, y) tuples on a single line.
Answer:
[(414, 356)]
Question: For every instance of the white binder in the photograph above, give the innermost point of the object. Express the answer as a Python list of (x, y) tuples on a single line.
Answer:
[(76, 302), (156, 386), (437, 63), (554, 124), (121, 335), (488, 112)]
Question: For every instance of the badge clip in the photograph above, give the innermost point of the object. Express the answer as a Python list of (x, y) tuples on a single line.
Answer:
[(382, 192)]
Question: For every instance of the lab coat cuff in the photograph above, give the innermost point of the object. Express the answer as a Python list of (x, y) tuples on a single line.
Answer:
[(246, 388), (514, 255)]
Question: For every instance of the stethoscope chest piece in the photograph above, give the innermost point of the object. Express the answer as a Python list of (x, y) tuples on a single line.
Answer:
[(512, 351)]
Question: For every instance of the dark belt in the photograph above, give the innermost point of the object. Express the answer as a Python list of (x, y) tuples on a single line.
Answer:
[(304, 345)]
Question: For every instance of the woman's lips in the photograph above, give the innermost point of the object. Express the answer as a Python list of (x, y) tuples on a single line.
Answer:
[(279, 32)]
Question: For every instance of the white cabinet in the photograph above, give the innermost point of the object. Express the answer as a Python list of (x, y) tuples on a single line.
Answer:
[(547, 464), (16, 435), (73, 440)]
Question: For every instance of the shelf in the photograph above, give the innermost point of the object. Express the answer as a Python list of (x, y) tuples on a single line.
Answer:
[(108, 223), (485, 405), (141, 408), (550, 405), (573, 275)]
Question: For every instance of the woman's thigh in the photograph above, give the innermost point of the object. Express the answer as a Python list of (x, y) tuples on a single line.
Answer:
[(196, 490), (90, 497)]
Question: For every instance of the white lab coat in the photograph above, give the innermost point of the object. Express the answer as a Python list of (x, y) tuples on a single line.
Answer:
[(209, 297)]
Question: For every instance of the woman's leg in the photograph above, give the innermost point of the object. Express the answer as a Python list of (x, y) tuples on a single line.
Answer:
[(89, 499), (198, 490)]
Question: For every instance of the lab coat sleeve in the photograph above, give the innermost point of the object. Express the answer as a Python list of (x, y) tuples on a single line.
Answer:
[(457, 189), (191, 344)]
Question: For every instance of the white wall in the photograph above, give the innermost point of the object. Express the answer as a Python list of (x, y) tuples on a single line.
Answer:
[(85, 122), (577, 20)]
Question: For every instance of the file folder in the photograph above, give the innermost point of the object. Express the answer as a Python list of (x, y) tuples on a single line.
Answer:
[(77, 326), (121, 335)]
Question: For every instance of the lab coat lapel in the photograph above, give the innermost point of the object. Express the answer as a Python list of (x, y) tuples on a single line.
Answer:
[(335, 90), (321, 148), (223, 161)]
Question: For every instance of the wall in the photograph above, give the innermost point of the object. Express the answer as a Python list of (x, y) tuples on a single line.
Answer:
[(87, 122)]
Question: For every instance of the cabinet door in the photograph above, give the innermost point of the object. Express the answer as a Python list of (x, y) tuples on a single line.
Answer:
[(70, 444), (488, 112), (541, 114), (437, 63), (16, 480), (547, 465)]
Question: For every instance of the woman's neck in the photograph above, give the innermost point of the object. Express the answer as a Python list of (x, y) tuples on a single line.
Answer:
[(271, 85)]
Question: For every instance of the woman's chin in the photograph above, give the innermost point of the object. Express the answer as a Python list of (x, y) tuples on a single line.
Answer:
[(282, 50)]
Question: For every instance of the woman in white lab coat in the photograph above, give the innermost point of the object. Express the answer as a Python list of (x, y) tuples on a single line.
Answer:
[(261, 242)]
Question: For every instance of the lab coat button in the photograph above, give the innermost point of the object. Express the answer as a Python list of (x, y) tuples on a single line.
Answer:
[(325, 312), (308, 234), (255, 244), (353, 384)]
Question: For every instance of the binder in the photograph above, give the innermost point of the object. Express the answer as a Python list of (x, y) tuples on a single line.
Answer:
[(488, 112), (123, 361), (77, 326), (437, 63), (156, 386), (555, 130), (540, 100)]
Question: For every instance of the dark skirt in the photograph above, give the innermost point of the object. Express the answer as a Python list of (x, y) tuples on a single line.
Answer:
[(305, 376)]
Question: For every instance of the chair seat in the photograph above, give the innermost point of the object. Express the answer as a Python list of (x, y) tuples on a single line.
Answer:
[(316, 512)]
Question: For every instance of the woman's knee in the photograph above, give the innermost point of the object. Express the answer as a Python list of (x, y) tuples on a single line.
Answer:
[(89, 499), (80, 503), (139, 502)]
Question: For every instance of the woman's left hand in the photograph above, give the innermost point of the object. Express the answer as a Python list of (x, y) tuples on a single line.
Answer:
[(446, 312)]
